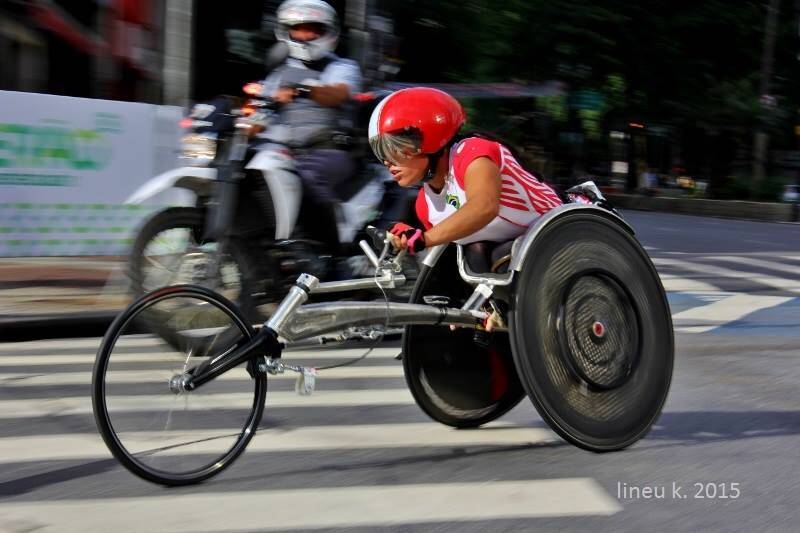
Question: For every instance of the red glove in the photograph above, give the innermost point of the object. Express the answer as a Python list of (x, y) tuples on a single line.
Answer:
[(415, 239)]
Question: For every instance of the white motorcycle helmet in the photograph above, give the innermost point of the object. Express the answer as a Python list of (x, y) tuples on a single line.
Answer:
[(294, 12)]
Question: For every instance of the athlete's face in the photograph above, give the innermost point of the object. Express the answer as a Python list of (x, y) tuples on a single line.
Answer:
[(409, 170)]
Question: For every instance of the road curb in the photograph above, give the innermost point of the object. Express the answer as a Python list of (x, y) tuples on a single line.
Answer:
[(761, 211)]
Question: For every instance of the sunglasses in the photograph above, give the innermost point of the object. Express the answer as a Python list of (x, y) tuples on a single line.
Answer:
[(396, 148)]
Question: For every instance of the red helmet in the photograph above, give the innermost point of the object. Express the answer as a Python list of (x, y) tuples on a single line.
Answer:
[(414, 121)]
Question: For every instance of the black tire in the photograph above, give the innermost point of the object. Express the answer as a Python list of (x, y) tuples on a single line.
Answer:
[(193, 219), (592, 333), (454, 380), (119, 426)]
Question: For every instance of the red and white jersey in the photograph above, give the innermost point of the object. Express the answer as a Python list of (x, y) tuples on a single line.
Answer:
[(523, 198)]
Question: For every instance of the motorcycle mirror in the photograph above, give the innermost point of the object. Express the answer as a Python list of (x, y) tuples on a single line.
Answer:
[(276, 55)]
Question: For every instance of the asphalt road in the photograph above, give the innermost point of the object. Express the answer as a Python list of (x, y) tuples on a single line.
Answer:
[(360, 456)]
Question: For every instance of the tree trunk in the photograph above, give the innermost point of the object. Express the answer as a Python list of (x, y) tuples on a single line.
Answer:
[(761, 139)]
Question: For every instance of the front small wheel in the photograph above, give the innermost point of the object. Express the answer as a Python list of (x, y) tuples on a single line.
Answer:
[(150, 423)]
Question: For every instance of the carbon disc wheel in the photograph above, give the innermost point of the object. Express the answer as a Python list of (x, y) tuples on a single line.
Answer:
[(592, 332), (599, 330)]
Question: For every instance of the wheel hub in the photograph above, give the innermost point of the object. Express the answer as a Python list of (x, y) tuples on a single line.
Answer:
[(177, 384), (598, 330)]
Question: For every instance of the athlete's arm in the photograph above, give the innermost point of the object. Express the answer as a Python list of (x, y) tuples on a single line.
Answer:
[(482, 185)]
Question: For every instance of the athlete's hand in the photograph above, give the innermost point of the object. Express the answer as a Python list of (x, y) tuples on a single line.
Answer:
[(407, 237)]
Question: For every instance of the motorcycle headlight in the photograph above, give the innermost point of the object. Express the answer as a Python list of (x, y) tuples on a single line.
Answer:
[(198, 149)]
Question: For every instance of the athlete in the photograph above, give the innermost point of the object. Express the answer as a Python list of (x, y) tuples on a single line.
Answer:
[(473, 190)]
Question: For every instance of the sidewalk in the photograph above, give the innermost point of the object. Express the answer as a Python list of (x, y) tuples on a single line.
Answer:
[(738, 209), (59, 291)]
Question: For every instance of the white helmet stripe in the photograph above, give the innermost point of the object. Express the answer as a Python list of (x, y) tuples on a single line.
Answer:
[(374, 119)]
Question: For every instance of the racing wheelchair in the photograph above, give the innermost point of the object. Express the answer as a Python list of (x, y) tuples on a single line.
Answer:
[(571, 314)]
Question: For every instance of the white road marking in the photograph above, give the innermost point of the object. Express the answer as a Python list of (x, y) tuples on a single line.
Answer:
[(674, 283), (779, 283), (163, 376), (762, 263), (307, 354), (366, 506), (347, 437), (15, 409), (88, 343), (726, 310)]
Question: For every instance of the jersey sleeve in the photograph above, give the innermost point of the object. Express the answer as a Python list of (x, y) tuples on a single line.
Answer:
[(468, 151), (421, 207), (343, 71), (270, 84)]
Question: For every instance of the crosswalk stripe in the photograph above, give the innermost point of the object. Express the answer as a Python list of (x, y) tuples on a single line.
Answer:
[(15, 409), (295, 509), (150, 357), (350, 437), (779, 283), (159, 376), (727, 310), (90, 345), (694, 329), (751, 261), (674, 283), (93, 343)]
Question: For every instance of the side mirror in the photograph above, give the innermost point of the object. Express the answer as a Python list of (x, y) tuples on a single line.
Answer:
[(276, 55)]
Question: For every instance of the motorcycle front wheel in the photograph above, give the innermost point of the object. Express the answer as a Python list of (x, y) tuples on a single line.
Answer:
[(169, 250)]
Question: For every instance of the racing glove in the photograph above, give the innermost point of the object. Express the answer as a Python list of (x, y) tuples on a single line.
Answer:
[(415, 238)]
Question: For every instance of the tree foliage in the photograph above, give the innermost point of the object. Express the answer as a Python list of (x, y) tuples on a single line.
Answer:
[(683, 63)]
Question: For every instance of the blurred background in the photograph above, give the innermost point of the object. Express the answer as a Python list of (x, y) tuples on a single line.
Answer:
[(698, 96), (673, 107), (652, 99)]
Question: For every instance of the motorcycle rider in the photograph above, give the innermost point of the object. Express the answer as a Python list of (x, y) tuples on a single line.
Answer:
[(316, 112), (474, 189)]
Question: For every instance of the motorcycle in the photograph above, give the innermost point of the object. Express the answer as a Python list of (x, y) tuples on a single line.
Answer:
[(572, 314), (250, 231)]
